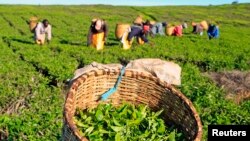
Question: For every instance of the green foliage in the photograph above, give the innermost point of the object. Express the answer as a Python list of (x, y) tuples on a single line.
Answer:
[(33, 77), (124, 123)]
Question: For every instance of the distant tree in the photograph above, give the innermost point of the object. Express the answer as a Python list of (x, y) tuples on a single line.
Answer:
[(235, 2)]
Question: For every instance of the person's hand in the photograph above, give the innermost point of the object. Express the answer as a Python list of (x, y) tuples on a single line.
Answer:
[(152, 35), (105, 39), (129, 42)]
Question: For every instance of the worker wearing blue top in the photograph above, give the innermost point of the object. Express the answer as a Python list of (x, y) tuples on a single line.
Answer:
[(213, 31), (137, 31)]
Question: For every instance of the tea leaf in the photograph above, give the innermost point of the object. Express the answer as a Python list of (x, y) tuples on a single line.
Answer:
[(117, 128), (99, 115)]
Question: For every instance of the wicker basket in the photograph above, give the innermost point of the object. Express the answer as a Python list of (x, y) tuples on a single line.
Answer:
[(152, 22), (120, 29), (137, 88), (204, 24), (169, 30), (32, 23), (138, 20)]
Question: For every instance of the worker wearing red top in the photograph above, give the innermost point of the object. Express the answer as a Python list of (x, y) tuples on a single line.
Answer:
[(178, 29)]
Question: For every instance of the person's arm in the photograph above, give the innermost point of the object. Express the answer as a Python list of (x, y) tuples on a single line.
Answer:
[(132, 33), (153, 30), (213, 31), (209, 33), (194, 29), (178, 31), (49, 32), (216, 34), (144, 39), (175, 31), (37, 31), (199, 29), (160, 29)]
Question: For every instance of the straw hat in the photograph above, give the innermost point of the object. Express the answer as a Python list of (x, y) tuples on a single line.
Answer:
[(194, 24)]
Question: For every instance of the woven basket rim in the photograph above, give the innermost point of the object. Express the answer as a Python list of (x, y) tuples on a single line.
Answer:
[(84, 76)]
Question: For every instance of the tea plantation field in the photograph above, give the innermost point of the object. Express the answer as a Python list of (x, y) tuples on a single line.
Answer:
[(33, 77)]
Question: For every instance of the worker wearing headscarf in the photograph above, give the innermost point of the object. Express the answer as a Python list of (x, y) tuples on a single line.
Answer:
[(97, 26)]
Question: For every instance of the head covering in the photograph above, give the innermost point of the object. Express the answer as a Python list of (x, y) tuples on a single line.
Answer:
[(147, 22), (194, 24), (34, 19), (138, 20), (164, 23), (184, 25), (146, 28), (98, 24)]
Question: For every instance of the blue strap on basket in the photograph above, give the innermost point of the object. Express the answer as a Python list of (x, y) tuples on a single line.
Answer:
[(106, 95)]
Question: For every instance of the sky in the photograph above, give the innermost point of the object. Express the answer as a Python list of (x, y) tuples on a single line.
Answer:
[(123, 2)]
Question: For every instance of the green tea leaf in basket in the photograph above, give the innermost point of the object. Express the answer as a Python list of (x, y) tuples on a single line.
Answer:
[(117, 128), (125, 123), (88, 120), (153, 137), (118, 137), (95, 133), (83, 116), (116, 122), (89, 130), (143, 111), (157, 113), (99, 115), (108, 107), (133, 122), (172, 136), (134, 115), (144, 135), (123, 109), (95, 136), (80, 124), (161, 128), (102, 131)]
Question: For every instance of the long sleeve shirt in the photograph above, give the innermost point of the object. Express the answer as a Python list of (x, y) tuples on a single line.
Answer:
[(92, 30), (213, 31), (41, 30), (197, 29), (178, 30), (157, 28), (137, 32)]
